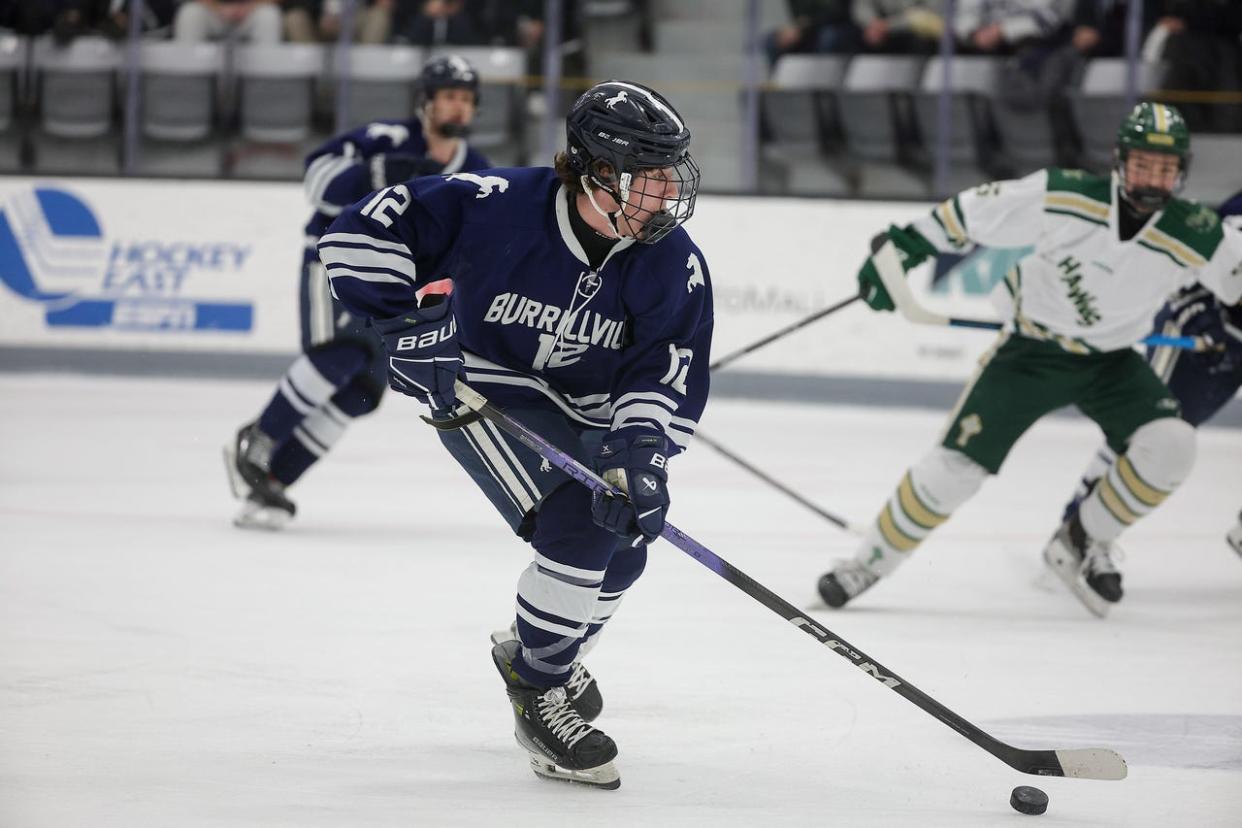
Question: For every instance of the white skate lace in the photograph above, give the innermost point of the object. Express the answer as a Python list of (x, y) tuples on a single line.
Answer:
[(560, 718), (579, 680), (1103, 558), (853, 577)]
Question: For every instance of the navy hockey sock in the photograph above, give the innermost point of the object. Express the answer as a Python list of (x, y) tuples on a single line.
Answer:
[(311, 381), (318, 431), (559, 591)]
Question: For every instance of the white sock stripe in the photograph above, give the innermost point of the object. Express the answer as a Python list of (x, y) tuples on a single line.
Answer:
[(1127, 496), (548, 626), (295, 399), (312, 445), (499, 467), (330, 410), (323, 428), (312, 385), (904, 522), (595, 576)]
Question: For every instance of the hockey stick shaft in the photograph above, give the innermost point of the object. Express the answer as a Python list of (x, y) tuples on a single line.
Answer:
[(785, 331), (1089, 763), (776, 484), (888, 264)]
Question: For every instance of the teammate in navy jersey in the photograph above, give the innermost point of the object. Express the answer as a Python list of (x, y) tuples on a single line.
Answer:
[(340, 373), (1202, 381), (581, 307)]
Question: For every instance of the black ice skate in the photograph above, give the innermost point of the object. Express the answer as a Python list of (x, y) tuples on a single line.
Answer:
[(582, 688), (1086, 565), (846, 581), (561, 745), (246, 460)]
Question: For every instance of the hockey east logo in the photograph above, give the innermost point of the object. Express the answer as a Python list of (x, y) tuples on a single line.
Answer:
[(54, 251)]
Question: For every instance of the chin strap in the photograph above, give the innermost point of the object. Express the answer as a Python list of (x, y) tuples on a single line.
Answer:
[(589, 189)]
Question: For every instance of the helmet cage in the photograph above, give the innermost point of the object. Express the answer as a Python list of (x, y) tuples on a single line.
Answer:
[(615, 154)]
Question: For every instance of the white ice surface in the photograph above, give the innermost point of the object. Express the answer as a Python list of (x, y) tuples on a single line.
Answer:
[(161, 668)]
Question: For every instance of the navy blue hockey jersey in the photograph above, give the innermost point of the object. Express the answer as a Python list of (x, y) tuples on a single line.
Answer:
[(625, 347), (339, 172)]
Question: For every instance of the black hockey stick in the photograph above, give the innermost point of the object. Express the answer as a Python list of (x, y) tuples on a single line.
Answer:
[(888, 265), (750, 467), (1082, 763), (785, 331), (776, 484)]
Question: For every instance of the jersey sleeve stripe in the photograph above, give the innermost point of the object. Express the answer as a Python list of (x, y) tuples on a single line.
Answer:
[(319, 176), (368, 276), (645, 397), (361, 258), (355, 239)]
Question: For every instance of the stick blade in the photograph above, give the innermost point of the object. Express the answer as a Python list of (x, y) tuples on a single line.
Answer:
[(888, 265), (1092, 763)]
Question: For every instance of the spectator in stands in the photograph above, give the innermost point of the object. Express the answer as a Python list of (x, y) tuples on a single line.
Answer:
[(816, 26), (25, 17), (1003, 26), (900, 26), (313, 21), (1199, 39), (255, 20), (71, 19), (435, 23), (1099, 26)]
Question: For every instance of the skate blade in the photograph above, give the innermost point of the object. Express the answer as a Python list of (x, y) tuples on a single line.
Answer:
[(1067, 569), (509, 633), (240, 488), (603, 776), (266, 518)]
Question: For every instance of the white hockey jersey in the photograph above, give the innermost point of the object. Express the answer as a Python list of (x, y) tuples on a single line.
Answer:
[(1081, 286)]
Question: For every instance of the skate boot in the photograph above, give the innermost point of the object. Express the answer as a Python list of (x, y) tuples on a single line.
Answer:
[(246, 460), (583, 692), (847, 580), (1234, 537), (561, 745), (1086, 565)]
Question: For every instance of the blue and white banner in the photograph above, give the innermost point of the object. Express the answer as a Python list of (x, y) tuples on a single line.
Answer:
[(149, 264)]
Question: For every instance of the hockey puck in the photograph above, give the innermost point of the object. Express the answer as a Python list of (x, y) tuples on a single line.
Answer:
[(1028, 800)]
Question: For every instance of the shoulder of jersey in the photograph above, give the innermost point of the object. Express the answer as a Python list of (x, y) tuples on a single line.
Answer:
[(1195, 224), (1080, 183)]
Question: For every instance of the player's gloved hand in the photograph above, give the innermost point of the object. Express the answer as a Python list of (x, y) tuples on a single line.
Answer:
[(640, 469), (424, 355), (388, 168), (911, 247)]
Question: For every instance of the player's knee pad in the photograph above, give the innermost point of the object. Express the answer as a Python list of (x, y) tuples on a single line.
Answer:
[(339, 362), (627, 564), (945, 479), (1163, 452), (360, 397)]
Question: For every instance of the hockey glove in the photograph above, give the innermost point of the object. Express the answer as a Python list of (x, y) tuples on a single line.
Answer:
[(388, 168), (911, 247), (424, 355), (640, 470)]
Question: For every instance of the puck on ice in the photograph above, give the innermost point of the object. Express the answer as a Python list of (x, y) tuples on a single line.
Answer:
[(1028, 800)]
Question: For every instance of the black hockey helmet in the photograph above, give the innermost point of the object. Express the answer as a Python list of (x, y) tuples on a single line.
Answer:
[(616, 130), (447, 72)]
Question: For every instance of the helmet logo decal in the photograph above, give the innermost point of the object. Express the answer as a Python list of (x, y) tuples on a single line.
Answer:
[(620, 97)]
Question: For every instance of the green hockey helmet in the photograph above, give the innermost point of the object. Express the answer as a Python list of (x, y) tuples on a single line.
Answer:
[(1153, 127)]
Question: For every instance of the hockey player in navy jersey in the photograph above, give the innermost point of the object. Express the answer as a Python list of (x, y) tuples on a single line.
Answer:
[(340, 374), (1201, 381), (581, 307)]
